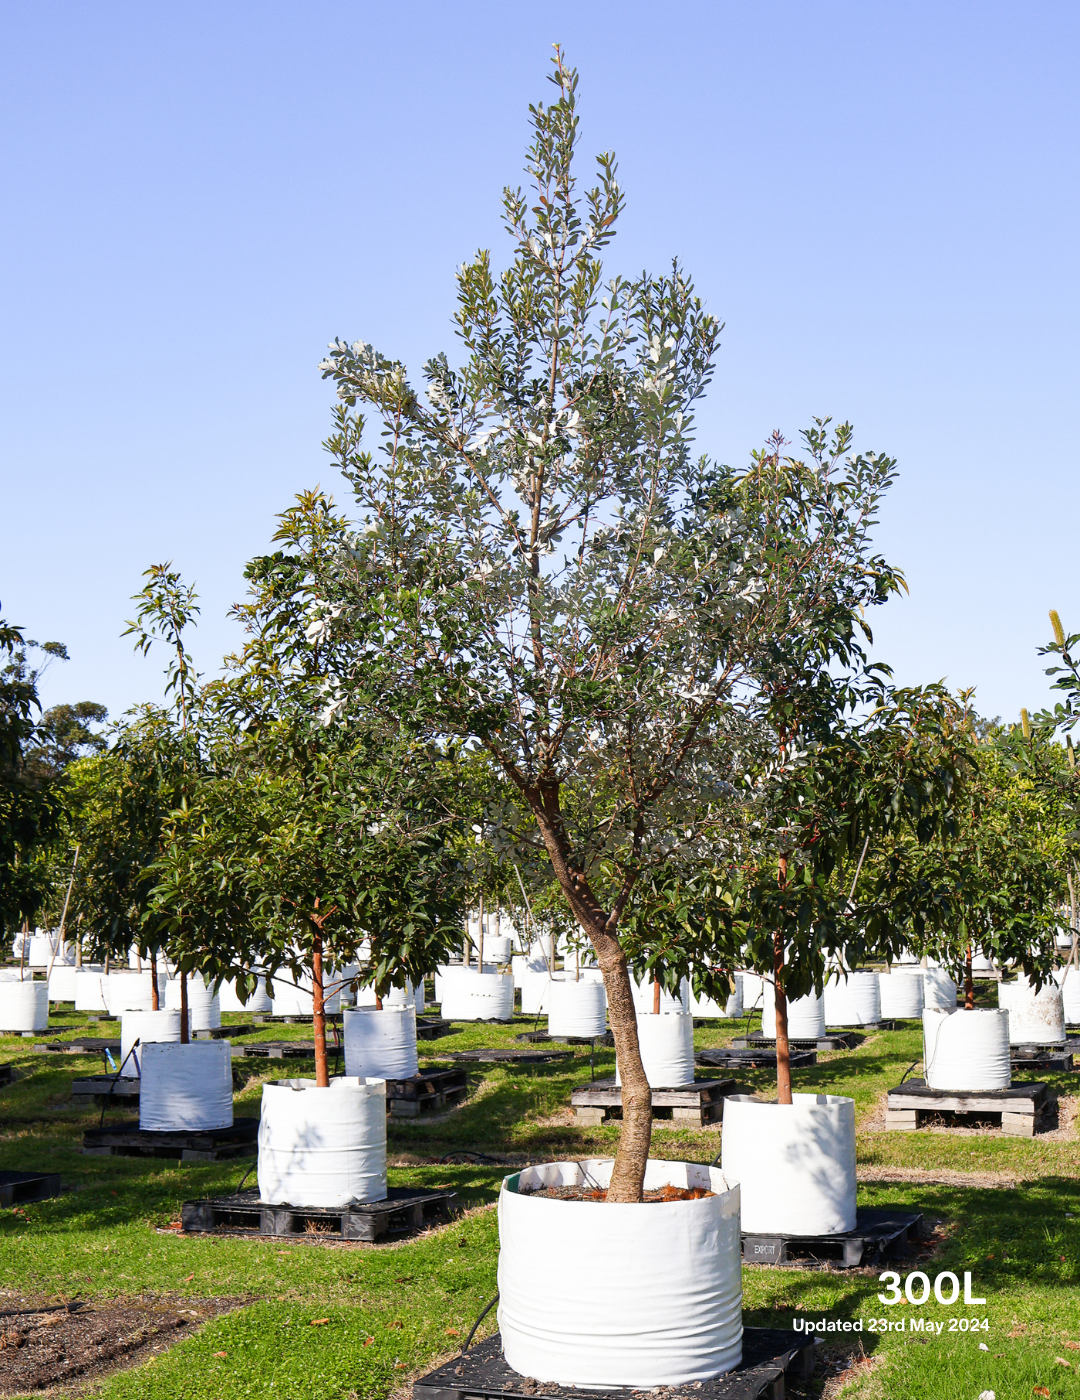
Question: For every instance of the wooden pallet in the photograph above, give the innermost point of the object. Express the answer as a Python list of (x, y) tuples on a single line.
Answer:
[(190, 1145), (769, 1357), (101, 1086), (750, 1057), (404, 1212), (430, 1091), (17, 1188), (835, 1040), (697, 1105), (1020, 1108), (878, 1234)]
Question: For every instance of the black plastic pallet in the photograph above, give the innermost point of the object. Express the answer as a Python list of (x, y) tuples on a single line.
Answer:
[(404, 1212), (543, 1038), (17, 1188), (430, 1091), (278, 1050), (100, 1086), (433, 1028), (878, 1234), (697, 1105), (1052, 1057), (769, 1357), (509, 1055), (835, 1040), (190, 1145), (748, 1057), (81, 1045)]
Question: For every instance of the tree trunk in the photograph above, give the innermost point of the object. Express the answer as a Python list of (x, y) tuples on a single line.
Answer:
[(318, 1011), (154, 1004), (378, 1002), (184, 1027), (656, 997), (783, 1048), (107, 958), (632, 1154), (969, 983)]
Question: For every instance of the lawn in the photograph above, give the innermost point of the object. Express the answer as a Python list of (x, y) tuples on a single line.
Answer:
[(1005, 1209)]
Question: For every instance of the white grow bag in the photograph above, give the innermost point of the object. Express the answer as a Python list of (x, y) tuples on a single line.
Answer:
[(24, 1006), (186, 1086), (645, 996), (1035, 1018), (535, 983), (795, 1163), (292, 998), (939, 989), (131, 991), (753, 991), (258, 1003), (805, 1016), (1068, 979), (204, 1008), (852, 999), (381, 1044), (89, 990), (730, 1010), (323, 1147), (966, 1050), (498, 947), (148, 1028), (599, 1295), (39, 950), (62, 982), (577, 1008), (666, 1043), (901, 996), (471, 995)]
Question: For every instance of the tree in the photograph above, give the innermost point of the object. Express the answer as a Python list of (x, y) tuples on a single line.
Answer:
[(543, 569), (62, 735)]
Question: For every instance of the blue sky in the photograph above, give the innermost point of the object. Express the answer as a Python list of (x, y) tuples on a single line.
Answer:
[(879, 201)]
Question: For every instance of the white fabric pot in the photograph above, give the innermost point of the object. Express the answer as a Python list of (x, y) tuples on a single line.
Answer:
[(901, 996), (204, 1007), (1068, 979), (186, 1086), (39, 950), (805, 1016), (753, 991), (498, 948), (939, 989), (966, 1050), (852, 1000), (645, 996), (148, 1028), (62, 982), (132, 991), (599, 1295), (292, 998), (1035, 1018), (730, 1010), (323, 1147), (577, 1008), (981, 963), (24, 1006), (795, 1163), (381, 1044), (258, 1003), (89, 991), (536, 991), (1064, 938), (907, 958), (666, 1043), (471, 995)]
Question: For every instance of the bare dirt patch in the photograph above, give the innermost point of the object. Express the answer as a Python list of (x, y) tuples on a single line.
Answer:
[(44, 1345), (941, 1176)]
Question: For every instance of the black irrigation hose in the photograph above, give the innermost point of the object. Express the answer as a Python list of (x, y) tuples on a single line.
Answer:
[(476, 1324), (33, 1312), (116, 1076), (476, 1156), (245, 1177), (908, 1070)]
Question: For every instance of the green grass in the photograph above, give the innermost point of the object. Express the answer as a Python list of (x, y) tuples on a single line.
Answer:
[(394, 1311)]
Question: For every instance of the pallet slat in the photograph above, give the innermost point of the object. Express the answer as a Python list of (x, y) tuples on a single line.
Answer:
[(16, 1188), (699, 1104), (1020, 1107), (403, 1212)]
